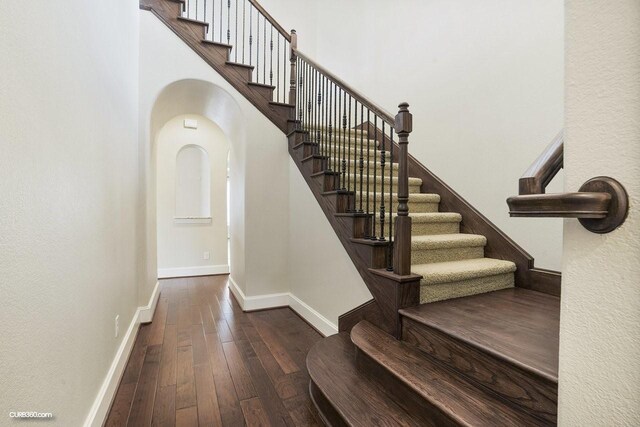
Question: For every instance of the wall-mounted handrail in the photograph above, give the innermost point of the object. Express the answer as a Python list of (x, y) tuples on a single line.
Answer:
[(601, 203), (544, 169), (381, 112)]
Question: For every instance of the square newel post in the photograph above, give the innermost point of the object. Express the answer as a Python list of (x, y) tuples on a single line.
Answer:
[(402, 241), (292, 59)]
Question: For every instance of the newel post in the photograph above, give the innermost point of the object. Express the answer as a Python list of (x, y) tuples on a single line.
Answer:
[(292, 59), (402, 242)]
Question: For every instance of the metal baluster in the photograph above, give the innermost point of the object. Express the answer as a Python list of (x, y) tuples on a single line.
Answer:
[(329, 98), (375, 176), (336, 120), (205, 18), (264, 50), (221, 8), (229, 22), (349, 143), (235, 45), (366, 232), (361, 165), (382, 166), (250, 31), (278, 74), (257, 74), (196, 10), (316, 107), (343, 108), (271, 58), (244, 26), (390, 261)]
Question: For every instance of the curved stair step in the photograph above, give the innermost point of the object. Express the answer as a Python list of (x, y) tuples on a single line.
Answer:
[(455, 279), (429, 249), (346, 397), (426, 386)]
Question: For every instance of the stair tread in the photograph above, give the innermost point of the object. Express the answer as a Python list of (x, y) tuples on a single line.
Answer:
[(517, 325), (450, 393), (357, 398), (442, 241), (452, 271)]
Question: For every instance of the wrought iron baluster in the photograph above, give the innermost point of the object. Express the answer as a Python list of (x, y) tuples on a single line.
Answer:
[(336, 131), (271, 57), (221, 9), (329, 101), (390, 252), (349, 155), (361, 165), (343, 108), (382, 166), (278, 72), (375, 178), (235, 45), (250, 31), (244, 26), (368, 210), (264, 49), (229, 22), (257, 74)]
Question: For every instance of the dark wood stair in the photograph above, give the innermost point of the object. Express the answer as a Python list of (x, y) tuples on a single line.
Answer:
[(506, 341), (422, 386), (344, 396)]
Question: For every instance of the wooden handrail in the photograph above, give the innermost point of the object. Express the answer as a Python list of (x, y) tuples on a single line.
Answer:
[(544, 169), (381, 112), (271, 19), (601, 204)]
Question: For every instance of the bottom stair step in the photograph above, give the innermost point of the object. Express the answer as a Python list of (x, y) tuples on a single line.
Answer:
[(346, 397), (426, 387)]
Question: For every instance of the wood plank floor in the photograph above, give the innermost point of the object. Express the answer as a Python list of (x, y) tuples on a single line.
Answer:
[(203, 362)]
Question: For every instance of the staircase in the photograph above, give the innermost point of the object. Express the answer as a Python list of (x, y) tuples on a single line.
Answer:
[(462, 329)]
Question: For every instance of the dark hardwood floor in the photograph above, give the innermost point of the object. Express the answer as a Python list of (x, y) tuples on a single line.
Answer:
[(202, 361)]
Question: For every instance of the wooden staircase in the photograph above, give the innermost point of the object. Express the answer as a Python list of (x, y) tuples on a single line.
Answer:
[(480, 359)]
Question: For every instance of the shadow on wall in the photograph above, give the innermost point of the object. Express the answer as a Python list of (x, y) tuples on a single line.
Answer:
[(198, 97)]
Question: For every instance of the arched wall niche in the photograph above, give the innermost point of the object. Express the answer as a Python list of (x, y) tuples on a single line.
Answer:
[(203, 98)]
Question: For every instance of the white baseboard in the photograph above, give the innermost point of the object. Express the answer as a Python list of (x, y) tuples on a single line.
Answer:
[(100, 408), (206, 270), (261, 302), (145, 314), (317, 320)]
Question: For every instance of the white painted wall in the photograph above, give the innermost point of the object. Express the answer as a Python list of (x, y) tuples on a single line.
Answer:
[(69, 209), (182, 243), (175, 80), (484, 80), (321, 272), (600, 316)]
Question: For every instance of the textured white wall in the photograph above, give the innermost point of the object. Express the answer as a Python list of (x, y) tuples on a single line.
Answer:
[(484, 80), (181, 245), (70, 207), (600, 317)]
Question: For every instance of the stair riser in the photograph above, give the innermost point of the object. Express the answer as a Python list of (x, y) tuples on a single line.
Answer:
[(327, 412), (353, 155), (403, 395), (433, 228), (339, 203), (463, 288), (337, 183), (354, 165), (533, 394), (220, 50), (243, 72), (428, 256), (416, 207)]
